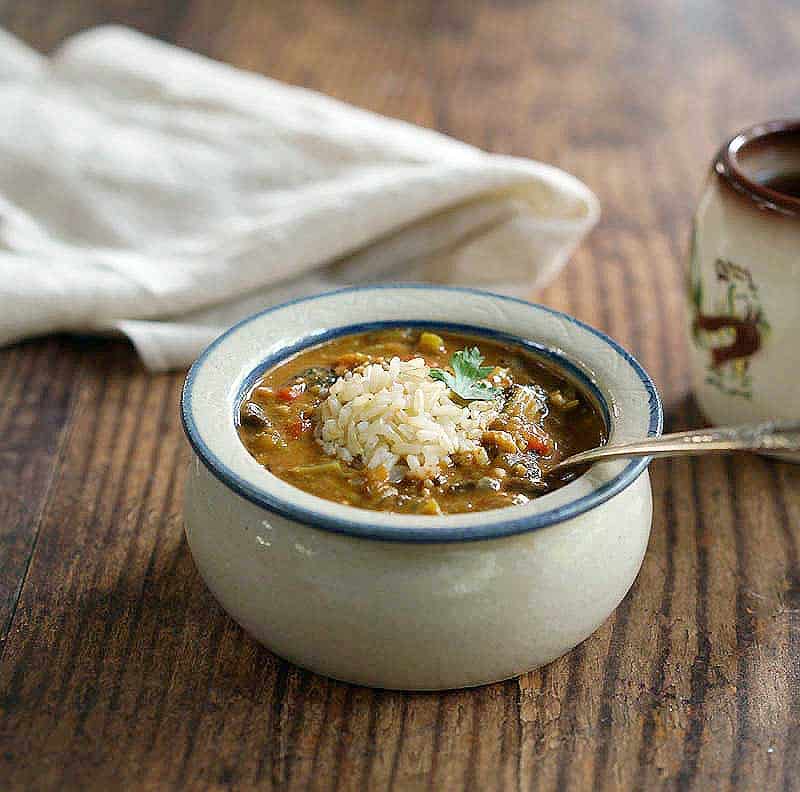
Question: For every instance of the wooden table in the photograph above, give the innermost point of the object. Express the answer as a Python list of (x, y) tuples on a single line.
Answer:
[(116, 665)]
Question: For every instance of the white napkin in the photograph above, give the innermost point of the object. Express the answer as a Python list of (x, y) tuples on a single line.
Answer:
[(150, 191)]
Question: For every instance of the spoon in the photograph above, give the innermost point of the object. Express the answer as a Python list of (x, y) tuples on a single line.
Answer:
[(772, 437)]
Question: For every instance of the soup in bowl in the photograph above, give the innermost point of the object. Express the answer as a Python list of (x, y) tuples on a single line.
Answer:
[(419, 420), (371, 494)]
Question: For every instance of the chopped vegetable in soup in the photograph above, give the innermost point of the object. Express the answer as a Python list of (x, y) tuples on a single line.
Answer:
[(419, 422)]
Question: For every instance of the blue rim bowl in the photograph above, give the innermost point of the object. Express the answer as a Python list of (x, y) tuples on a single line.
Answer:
[(367, 525)]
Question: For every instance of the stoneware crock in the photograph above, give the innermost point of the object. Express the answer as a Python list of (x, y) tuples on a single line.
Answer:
[(744, 281), (405, 601)]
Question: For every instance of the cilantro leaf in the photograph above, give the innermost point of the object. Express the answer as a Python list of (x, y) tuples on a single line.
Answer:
[(468, 379)]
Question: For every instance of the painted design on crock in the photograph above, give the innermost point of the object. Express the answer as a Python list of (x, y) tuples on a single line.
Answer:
[(732, 329)]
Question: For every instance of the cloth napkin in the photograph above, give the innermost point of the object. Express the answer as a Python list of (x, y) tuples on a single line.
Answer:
[(149, 191)]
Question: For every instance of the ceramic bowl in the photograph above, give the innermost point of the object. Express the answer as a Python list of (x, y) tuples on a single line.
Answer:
[(414, 602)]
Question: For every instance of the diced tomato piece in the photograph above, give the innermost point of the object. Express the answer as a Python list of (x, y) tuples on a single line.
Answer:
[(538, 444), (290, 392), (298, 427)]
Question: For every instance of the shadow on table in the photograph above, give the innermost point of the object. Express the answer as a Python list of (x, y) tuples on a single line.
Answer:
[(683, 414)]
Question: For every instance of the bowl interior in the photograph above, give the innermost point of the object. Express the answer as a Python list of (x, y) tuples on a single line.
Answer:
[(221, 375)]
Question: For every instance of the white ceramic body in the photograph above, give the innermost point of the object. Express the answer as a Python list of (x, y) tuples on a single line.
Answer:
[(745, 265), (415, 616), (381, 604)]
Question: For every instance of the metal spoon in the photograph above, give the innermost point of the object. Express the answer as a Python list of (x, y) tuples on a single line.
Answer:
[(781, 437)]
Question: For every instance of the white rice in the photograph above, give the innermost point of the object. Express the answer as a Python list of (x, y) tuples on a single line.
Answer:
[(393, 414)]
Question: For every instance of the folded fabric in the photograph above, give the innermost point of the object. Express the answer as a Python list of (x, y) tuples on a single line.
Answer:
[(148, 190)]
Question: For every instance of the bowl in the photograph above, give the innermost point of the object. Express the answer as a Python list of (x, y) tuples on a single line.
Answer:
[(415, 602)]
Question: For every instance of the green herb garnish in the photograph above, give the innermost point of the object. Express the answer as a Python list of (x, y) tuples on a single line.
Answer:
[(468, 382)]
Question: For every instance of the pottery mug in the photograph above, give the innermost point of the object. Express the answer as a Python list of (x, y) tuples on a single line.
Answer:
[(744, 279)]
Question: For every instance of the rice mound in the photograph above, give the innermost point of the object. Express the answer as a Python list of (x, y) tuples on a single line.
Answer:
[(393, 414)]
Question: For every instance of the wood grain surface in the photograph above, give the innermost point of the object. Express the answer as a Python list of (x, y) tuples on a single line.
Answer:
[(117, 668)]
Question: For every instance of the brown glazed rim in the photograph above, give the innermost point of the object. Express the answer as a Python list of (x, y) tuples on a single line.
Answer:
[(726, 165)]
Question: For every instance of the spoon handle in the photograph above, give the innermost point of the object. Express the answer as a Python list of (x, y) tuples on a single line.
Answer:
[(774, 436)]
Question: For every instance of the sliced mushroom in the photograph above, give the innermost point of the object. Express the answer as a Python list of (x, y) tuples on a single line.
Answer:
[(253, 416), (526, 401), (528, 486), (466, 485)]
